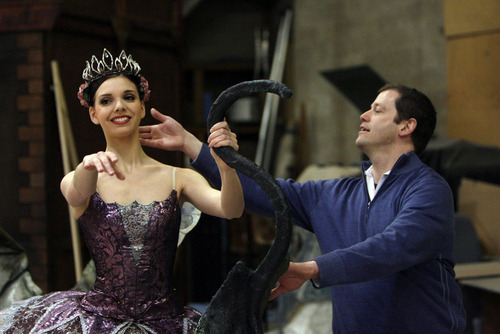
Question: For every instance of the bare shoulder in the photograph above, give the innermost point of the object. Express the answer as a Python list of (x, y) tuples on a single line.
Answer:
[(190, 185), (159, 173), (186, 173), (188, 176), (155, 167)]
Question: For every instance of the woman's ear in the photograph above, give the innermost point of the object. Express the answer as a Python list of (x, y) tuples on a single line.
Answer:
[(143, 112), (408, 126), (92, 115)]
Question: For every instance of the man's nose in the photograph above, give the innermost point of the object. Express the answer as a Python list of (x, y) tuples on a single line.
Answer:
[(365, 116)]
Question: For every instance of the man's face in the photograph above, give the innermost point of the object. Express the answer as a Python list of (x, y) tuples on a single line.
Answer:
[(378, 131)]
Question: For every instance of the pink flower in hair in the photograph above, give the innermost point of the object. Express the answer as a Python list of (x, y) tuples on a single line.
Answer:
[(81, 93), (145, 85)]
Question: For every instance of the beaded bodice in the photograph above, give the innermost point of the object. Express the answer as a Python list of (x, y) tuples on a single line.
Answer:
[(135, 218), (134, 249)]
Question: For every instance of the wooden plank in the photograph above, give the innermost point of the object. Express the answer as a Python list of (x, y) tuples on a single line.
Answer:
[(473, 81), (471, 17), (477, 269), (479, 201), (491, 284), (269, 115), (69, 154)]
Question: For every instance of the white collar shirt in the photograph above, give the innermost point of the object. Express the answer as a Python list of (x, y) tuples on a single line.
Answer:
[(370, 182)]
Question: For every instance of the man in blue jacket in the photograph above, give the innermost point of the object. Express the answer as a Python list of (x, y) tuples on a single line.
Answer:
[(386, 238)]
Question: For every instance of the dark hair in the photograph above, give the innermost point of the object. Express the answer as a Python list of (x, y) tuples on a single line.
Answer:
[(412, 103), (94, 85)]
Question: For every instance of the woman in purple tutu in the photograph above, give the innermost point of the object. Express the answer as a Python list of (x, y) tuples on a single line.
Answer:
[(128, 208)]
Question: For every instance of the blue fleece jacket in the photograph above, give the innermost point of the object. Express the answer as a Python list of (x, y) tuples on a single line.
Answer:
[(388, 262)]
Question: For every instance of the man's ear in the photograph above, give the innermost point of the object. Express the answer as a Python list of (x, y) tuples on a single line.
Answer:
[(407, 127), (92, 115)]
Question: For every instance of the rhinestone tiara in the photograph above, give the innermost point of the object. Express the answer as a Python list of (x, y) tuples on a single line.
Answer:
[(97, 68)]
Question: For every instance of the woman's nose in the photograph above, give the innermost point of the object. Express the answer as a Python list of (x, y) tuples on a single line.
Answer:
[(119, 105)]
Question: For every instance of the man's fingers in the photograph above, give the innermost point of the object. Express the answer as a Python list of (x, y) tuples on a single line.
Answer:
[(275, 292), (145, 129), (158, 115), (145, 134)]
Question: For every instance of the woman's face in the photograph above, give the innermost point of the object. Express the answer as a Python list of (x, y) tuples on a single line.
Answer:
[(117, 107)]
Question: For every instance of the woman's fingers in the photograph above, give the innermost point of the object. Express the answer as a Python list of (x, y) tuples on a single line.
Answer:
[(223, 137), (103, 162)]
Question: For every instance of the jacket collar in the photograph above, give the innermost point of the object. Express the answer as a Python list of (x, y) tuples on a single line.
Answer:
[(405, 163)]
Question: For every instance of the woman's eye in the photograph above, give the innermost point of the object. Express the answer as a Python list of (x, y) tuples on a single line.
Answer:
[(104, 101), (130, 97)]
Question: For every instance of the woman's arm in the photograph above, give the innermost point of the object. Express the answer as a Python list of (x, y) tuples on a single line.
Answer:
[(78, 185), (228, 202), (170, 135)]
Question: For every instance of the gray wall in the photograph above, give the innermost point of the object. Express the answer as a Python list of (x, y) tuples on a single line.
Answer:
[(402, 40)]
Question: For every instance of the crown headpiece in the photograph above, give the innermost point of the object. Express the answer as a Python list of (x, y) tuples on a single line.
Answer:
[(97, 69)]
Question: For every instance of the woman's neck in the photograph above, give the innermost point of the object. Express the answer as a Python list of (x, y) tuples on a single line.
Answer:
[(129, 153)]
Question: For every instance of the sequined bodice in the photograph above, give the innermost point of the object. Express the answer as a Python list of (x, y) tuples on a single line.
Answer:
[(136, 219), (134, 249)]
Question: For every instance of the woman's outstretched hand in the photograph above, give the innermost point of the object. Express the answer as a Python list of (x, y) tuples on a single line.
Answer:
[(103, 162)]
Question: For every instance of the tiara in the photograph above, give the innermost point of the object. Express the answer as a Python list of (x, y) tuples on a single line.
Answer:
[(96, 69)]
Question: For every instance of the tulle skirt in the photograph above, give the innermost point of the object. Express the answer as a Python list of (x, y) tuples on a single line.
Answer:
[(60, 312)]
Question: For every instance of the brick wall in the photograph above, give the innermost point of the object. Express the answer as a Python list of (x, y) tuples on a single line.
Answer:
[(30, 102)]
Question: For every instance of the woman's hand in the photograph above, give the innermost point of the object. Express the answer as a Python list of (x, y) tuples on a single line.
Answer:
[(221, 135), (103, 162), (78, 185)]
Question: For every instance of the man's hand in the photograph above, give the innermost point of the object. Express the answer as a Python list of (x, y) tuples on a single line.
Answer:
[(296, 275), (169, 135)]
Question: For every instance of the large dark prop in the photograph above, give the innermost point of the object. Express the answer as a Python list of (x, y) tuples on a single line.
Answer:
[(458, 159), (239, 304)]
